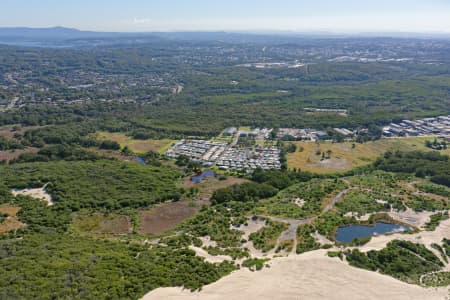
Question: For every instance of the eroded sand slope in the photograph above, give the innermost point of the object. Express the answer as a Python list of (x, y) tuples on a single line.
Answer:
[(311, 275)]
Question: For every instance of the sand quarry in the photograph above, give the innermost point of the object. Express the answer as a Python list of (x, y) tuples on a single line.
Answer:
[(314, 275)]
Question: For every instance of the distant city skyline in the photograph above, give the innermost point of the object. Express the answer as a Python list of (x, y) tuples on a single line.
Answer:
[(201, 15)]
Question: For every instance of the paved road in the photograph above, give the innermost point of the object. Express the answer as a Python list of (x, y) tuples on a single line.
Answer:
[(235, 139)]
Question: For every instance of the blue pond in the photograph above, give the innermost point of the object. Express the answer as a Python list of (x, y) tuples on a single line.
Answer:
[(199, 178), (140, 160), (348, 233)]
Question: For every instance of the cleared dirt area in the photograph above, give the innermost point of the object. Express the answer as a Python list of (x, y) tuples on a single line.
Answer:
[(164, 217), (9, 210), (104, 224), (137, 146), (11, 222), (348, 155), (9, 131), (10, 155)]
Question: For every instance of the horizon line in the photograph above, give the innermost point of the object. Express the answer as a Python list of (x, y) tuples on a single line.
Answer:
[(258, 31)]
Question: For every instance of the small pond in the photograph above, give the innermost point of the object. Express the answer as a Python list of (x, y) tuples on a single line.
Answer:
[(347, 234), (199, 178), (140, 160)]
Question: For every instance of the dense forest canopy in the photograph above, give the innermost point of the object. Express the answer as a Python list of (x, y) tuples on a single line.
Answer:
[(95, 236), (197, 88)]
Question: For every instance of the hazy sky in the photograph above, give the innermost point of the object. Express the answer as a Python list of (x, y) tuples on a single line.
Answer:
[(170, 15)]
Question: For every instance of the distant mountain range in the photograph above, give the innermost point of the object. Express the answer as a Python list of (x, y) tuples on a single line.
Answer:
[(69, 37), (50, 33), (62, 36)]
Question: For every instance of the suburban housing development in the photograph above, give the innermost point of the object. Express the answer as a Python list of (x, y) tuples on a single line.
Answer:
[(232, 156), (439, 126), (226, 156)]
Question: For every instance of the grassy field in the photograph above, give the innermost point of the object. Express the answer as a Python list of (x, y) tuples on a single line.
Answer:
[(346, 156), (137, 146), (207, 187), (245, 128), (103, 224)]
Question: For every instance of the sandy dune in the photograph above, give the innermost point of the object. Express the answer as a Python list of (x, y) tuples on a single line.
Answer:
[(314, 275), (311, 275)]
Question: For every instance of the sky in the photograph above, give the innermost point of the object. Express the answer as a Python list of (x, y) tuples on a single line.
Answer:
[(231, 15)]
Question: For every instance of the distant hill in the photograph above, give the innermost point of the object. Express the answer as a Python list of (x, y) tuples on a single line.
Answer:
[(50, 33), (62, 36), (70, 33), (70, 37)]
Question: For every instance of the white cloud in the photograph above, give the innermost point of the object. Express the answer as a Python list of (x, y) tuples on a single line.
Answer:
[(142, 20)]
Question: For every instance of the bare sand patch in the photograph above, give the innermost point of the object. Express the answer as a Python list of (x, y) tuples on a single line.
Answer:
[(38, 193), (252, 226), (311, 275), (207, 242), (357, 216), (424, 237), (208, 257), (409, 216), (321, 239), (299, 202)]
